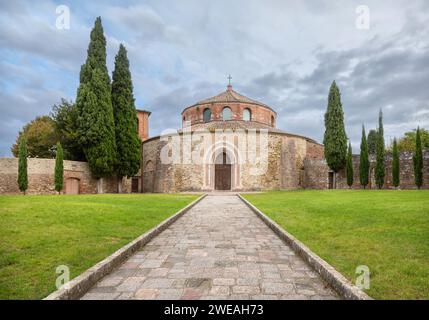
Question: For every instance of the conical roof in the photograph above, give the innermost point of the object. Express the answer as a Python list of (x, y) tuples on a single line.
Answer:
[(230, 95)]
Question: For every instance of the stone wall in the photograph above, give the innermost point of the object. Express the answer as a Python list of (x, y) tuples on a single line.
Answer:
[(317, 173), (41, 177), (283, 170)]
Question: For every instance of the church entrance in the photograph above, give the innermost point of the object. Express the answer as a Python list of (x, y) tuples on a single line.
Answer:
[(222, 172)]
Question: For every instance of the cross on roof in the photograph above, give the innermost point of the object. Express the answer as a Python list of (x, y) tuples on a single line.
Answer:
[(229, 79)]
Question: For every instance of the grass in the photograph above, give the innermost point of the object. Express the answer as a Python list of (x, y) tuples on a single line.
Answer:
[(386, 230), (39, 233)]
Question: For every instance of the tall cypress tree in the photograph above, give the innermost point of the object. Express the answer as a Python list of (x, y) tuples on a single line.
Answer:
[(22, 165), (94, 104), (349, 166), (59, 168), (335, 139), (379, 166), (363, 160), (127, 141), (418, 161), (372, 141), (395, 164)]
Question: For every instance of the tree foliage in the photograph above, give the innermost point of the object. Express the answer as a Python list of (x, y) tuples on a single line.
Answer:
[(335, 139), (349, 166), (363, 160), (22, 165), (127, 141), (408, 141), (372, 141), (395, 164), (59, 168), (41, 138), (94, 105), (65, 116), (418, 161), (380, 153)]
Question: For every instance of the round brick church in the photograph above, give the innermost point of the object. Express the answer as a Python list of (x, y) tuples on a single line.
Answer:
[(227, 142)]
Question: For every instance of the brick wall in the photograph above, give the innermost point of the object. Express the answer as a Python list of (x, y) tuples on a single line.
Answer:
[(41, 177), (260, 114)]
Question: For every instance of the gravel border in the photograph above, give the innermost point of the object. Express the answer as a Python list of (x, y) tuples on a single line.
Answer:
[(328, 273), (77, 287)]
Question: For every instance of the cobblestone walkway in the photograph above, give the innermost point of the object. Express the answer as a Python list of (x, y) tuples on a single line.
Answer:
[(218, 250)]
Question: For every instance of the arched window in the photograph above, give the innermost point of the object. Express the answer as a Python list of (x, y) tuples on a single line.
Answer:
[(138, 125), (247, 115), (272, 121), (207, 115), (226, 113)]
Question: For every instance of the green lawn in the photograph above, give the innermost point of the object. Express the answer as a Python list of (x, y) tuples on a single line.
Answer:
[(386, 230), (39, 233)]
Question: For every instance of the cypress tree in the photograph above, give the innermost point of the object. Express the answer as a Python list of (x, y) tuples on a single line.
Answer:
[(363, 160), (372, 141), (22, 165), (418, 161), (349, 166), (127, 141), (335, 139), (395, 164), (59, 168), (379, 166), (95, 114)]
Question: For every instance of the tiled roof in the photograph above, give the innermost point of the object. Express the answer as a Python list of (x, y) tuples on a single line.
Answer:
[(230, 96)]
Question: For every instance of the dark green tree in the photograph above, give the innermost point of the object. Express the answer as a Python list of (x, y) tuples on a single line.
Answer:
[(335, 139), (349, 166), (372, 141), (418, 161), (59, 168), (380, 152), (395, 164), (363, 160), (65, 116), (94, 104), (22, 165), (128, 143)]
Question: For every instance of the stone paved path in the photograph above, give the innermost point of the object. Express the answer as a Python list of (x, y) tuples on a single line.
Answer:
[(218, 250)]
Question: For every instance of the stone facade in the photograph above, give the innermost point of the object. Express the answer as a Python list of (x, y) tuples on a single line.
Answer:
[(41, 177), (282, 170)]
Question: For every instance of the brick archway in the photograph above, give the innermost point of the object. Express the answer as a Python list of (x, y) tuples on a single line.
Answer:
[(232, 156)]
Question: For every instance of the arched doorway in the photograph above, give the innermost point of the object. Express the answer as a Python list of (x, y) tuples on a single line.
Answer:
[(222, 172)]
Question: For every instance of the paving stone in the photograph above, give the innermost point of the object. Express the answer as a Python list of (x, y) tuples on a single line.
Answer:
[(223, 281), (146, 294), (218, 250)]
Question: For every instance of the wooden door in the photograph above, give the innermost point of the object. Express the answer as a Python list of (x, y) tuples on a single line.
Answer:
[(135, 184), (223, 177), (72, 186), (331, 180), (222, 172)]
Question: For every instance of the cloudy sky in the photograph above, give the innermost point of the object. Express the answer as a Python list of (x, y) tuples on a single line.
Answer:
[(283, 53)]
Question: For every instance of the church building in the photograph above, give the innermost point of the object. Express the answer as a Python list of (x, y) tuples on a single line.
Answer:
[(227, 142)]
